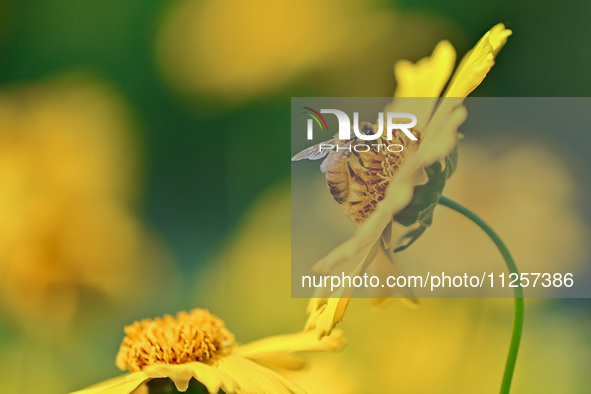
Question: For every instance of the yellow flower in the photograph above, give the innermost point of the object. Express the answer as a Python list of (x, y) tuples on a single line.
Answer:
[(69, 134), (372, 244), (198, 346), (68, 235)]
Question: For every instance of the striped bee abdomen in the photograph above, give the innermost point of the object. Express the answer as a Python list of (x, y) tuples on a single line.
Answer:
[(337, 176)]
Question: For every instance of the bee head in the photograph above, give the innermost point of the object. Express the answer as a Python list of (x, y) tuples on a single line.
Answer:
[(367, 128)]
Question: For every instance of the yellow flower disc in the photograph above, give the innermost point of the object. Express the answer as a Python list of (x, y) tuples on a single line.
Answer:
[(194, 336)]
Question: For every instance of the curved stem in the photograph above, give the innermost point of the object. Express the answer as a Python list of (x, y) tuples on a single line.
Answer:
[(518, 317)]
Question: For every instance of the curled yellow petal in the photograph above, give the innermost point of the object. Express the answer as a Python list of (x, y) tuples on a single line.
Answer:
[(498, 37), (331, 315), (426, 78), (478, 62), (290, 343)]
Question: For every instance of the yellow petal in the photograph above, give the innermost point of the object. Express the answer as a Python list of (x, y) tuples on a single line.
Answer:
[(332, 314), (121, 385), (397, 196), (328, 312), (315, 304), (442, 132), (282, 345), (498, 37), (212, 378), (426, 78), (384, 266), (348, 259), (331, 309), (279, 352), (143, 389), (181, 374), (478, 62), (315, 307), (254, 378), (178, 373), (291, 362)]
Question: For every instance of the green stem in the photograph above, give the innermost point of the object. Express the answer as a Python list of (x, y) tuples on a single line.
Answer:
[(518, 317)]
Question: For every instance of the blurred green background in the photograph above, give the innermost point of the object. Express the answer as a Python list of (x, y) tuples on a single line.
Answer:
[(207, 86)]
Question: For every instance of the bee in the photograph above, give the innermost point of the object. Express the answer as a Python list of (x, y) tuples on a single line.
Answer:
[(356, 180)]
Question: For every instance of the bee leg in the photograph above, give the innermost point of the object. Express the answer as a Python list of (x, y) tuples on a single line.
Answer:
[(356, 178), (361, 162)]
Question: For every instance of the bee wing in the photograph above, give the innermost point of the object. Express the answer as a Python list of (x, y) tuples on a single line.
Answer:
[(330, 162), (313, 152), (333, 160)]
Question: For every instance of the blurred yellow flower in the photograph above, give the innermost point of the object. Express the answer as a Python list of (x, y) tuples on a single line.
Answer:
[(237, 49), (198, 346), (71, 134), (372, 244), (233, 51), (67, 179)]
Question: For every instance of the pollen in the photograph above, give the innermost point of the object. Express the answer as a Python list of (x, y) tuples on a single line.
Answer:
[(194, 336)]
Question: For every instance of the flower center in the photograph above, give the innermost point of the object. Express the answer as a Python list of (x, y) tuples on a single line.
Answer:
[(194, 336)]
